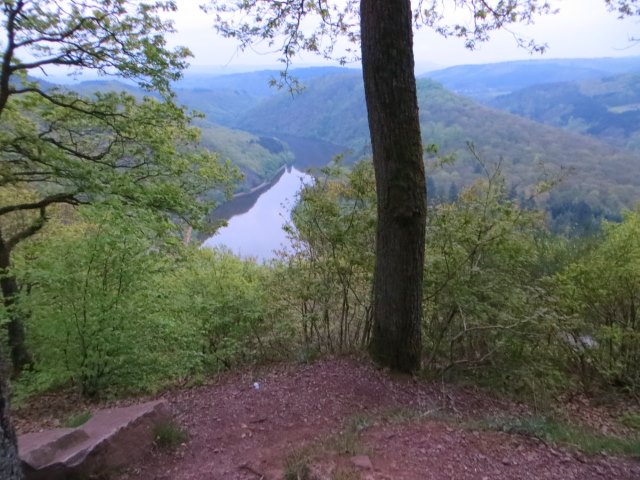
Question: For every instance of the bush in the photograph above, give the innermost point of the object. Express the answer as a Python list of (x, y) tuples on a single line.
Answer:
[(599, 302), (484, 306), (114, 305), (224, 299), (324, 282), (169, 435)]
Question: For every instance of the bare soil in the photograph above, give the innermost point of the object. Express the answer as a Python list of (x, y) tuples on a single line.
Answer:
[(345, 419)]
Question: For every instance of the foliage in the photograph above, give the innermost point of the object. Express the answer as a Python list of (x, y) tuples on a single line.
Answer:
[(117, 305), (77, 420), (550, 430), (139, 152), (65, 147), (169, 435), (325, 281), (224, 299), (484, 305), (631, 419), (90, 319), (598, 297), (297, 467)]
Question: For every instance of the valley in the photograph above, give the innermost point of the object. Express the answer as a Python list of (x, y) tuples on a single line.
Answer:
[(572, 123)]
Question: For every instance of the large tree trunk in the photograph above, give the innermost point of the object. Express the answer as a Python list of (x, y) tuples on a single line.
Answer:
[(10, 465), (20, 356), (390, 89)]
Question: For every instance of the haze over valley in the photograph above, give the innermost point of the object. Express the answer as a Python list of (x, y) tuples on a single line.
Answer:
[(572, 121)]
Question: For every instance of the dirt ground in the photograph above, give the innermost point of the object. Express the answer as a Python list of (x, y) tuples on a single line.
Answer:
[(344, 419)]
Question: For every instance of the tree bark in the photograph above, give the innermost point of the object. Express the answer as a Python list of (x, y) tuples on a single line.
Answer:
[(392, 106), (20, 356), (10, 465)]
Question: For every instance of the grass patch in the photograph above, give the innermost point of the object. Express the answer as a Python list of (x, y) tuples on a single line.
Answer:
[(296, 466), (553, 431), (347, 441), (77, 420), (169, 435), (631, 420), (345, 474)]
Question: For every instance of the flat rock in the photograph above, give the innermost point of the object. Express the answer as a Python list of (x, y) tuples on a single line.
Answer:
[(111, 439), (362, 461)]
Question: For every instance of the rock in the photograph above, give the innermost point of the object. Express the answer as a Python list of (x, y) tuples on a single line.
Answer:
[(362, 461), (110, 440)]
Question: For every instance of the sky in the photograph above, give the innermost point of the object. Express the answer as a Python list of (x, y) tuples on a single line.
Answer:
[(582, 29)]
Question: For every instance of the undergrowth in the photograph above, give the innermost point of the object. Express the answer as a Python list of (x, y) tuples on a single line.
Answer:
[(553, 431), (77, 420), (169, 435)]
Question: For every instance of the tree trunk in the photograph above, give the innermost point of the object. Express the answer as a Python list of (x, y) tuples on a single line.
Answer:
[(20, 356), (392, 106), (10, 465)]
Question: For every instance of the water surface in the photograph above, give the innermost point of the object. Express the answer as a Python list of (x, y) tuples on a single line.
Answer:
[(258, 231), (255, 219)]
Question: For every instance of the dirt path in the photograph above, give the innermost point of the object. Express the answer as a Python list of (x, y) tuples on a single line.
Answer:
[(347, 420)]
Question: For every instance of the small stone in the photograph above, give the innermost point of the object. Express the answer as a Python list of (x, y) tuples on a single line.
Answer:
[(362, 461)]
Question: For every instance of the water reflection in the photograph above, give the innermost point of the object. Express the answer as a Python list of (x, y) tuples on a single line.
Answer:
[(258, 231), (255, 219)]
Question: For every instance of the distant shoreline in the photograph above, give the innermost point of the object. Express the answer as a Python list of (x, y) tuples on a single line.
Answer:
[(266, 184)]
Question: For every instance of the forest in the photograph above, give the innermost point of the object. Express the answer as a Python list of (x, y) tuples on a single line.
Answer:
[(529, 281)]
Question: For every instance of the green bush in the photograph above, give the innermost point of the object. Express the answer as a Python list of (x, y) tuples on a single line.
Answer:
[(485, 311), (114, 304), (598, 299), (224, 299), (323, 282)]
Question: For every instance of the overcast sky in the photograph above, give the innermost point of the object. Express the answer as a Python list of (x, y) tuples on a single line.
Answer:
[(582, 28)]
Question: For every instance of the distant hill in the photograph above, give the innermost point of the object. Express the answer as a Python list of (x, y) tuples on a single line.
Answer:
[(332, 108), (254, 83), (223, 99), (258, 157), (608, 108), (486, 81)]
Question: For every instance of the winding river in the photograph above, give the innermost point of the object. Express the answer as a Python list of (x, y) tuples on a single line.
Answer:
[(255, 220)]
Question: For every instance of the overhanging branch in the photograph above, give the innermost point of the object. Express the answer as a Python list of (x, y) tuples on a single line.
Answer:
[(69, 198)]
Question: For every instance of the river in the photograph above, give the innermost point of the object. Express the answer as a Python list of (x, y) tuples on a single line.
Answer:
[(255, 220)]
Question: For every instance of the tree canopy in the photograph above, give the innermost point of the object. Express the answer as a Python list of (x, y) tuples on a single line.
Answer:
[(60, 147), (69, 148)]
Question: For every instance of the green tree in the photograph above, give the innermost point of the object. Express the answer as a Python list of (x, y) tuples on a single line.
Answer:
[(66, 148), (384, 28), (598, 298), (90, 300), (326, 281)]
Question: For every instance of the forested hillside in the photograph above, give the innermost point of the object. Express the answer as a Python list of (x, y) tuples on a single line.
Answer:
[(486, 81), (597, 119), (332, 108), (607, 108)]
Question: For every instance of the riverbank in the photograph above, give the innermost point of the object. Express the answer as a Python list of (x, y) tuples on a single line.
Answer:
[(307, 153)]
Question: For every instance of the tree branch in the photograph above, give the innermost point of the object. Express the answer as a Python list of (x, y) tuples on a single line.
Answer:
[(69, 198)]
